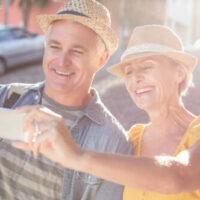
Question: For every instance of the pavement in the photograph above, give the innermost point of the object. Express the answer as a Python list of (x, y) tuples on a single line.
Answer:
[(111, 89)]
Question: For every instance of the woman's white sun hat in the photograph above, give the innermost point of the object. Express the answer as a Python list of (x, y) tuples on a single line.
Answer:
[(152, 40)]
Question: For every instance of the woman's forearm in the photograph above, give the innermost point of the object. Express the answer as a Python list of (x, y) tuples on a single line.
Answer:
[(163, 174)]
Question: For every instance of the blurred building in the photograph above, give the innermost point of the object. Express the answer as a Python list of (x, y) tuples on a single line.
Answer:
[(184, 17), (16, 16), (181, 15)]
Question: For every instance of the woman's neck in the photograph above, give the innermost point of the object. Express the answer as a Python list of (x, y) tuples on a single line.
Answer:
[(169, 120)]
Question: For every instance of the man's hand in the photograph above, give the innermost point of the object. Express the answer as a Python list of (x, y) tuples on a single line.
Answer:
[(47, 134)]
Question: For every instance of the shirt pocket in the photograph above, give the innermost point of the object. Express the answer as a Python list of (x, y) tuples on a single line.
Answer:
[(79, 185), (87, 178)]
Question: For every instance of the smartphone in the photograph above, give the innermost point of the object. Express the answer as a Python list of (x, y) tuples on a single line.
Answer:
[(11, 125)]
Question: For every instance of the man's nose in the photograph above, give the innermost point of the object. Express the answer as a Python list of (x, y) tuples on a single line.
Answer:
[(65, 59)]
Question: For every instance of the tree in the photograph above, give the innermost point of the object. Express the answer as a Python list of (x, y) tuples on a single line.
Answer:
[(26, 6)]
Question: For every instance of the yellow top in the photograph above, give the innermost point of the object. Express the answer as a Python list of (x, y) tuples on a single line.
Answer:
[(191, 136)]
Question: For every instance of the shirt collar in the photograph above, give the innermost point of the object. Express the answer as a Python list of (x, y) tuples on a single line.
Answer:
[(37, 86), (95, 111)]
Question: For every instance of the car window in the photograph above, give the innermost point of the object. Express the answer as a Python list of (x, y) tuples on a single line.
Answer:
[(5, 35), (20, 33)]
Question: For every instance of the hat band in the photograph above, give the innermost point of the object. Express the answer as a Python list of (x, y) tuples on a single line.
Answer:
[(71, 12), (149, 47)]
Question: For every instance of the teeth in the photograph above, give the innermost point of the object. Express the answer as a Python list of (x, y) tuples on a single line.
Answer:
[(64, 74), (143, 90)]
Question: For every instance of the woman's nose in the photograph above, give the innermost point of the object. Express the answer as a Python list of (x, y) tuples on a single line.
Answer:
[(138, 76)]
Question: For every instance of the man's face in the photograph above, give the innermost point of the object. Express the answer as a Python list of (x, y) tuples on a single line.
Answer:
[(70, 58)]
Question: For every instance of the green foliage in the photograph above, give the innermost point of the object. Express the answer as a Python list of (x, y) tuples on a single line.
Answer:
[(40, 3), (26, 6), (24, 3)]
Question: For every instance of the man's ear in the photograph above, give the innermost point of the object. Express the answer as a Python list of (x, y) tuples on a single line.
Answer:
[(103, 59), (181, 73)]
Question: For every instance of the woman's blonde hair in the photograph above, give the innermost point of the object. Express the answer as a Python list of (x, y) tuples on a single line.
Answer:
[(187, 81)]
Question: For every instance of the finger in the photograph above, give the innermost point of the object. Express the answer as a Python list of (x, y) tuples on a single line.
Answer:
[(21, 145), (39, 115), (30, 134), (36, 148), (41, 140), (50, 112), (26, 109), (46, 125), (41, 112), (29, 119)]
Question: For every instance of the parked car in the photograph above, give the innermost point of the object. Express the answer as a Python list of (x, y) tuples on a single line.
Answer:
[(19, 46)]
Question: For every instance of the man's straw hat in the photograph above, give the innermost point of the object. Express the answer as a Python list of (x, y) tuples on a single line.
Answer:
[(152, 40), (89, 13)]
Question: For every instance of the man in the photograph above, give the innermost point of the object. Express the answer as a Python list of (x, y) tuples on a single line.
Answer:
[(78, 43)]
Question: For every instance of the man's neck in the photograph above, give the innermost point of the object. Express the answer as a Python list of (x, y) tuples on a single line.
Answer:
[(70, 99)]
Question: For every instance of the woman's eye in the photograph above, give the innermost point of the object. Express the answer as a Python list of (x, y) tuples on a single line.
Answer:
[(128, 72), (79, 52), (147, 67)]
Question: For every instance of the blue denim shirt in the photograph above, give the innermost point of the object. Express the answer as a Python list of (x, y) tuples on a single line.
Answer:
[(95, 130)]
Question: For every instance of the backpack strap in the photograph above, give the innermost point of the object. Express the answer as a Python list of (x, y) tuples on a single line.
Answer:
[(15, 91)]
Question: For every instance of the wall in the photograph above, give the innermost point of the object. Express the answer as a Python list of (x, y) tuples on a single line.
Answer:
[(15, 13)]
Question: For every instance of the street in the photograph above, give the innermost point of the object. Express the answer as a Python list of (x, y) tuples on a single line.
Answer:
[(25, 74)]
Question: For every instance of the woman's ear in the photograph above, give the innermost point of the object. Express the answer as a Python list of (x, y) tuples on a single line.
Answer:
[(181, 73)]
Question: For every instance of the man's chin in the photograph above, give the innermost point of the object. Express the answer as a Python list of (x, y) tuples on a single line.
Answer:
[(58, 87)]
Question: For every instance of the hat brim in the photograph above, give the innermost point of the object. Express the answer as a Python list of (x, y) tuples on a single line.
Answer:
[(188, 60), (106, 33)]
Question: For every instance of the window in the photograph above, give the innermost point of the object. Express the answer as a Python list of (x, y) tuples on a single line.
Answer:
[(5, 35)]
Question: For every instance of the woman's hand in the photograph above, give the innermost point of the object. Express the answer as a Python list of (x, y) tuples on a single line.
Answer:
[(47, 134)]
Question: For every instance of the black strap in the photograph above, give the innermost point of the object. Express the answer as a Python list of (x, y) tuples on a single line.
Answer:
[(11, 100), (71, 12)]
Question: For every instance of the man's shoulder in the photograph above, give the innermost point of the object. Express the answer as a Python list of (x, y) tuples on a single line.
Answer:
[(20, 87), (111, 135), (11, 93), (108, 125), (110, 120), (99, 113)]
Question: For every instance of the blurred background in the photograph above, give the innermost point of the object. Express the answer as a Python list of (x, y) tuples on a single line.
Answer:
[(21, 46)]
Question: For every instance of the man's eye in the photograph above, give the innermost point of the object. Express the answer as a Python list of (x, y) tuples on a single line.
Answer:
[(54, 47), (78, 52)]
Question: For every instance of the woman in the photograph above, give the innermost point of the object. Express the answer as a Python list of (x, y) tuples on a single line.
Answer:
[(156, 82), (157, 72)]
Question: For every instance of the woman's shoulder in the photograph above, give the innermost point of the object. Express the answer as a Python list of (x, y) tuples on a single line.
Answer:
[(195, 123), (194, 129), (136, 131), (192, 135)]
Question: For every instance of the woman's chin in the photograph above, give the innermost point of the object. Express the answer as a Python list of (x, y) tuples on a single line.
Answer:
[(146, 106)]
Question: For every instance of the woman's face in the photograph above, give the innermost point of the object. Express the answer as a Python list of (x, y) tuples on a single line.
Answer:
[(152, 81)]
